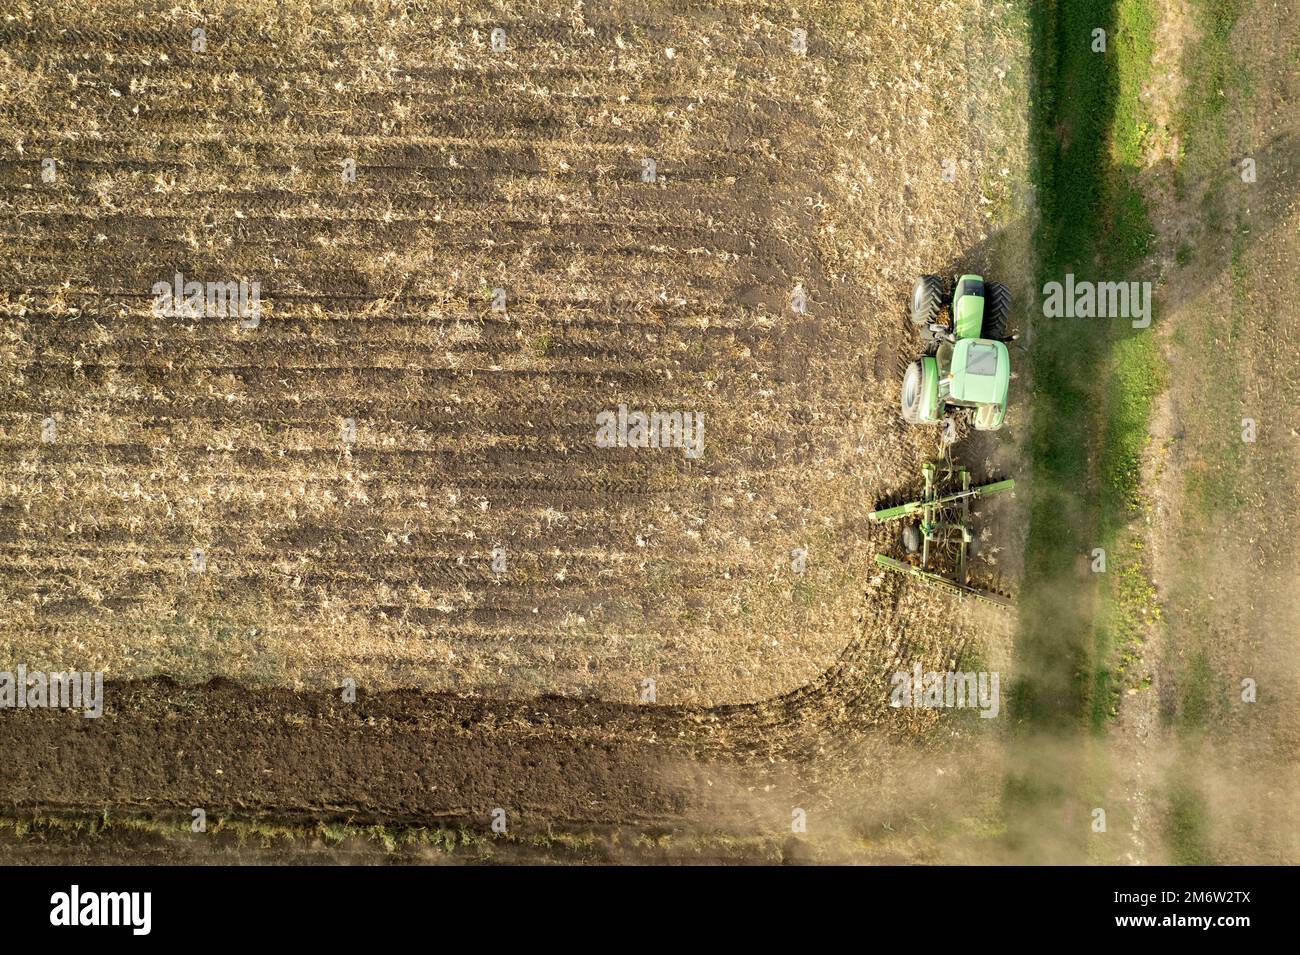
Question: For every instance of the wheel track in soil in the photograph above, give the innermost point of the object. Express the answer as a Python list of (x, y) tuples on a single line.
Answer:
[(510, 742)]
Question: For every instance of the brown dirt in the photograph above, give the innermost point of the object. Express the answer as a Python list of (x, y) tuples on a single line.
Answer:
[(474, 428), (370, 560), (410, 756)]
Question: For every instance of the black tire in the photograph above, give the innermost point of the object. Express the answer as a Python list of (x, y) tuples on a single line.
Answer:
[(911, 538), (927, 300), (997, 310), (913, 379)]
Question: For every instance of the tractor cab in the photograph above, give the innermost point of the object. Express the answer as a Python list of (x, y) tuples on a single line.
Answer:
[(975, 373)]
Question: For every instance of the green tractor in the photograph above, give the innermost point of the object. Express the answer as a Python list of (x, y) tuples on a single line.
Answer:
[(966, 365)]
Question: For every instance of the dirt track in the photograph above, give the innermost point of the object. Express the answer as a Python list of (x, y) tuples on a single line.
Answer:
[(416, 757)]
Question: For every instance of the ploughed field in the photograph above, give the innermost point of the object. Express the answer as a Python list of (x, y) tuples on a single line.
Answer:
[(394, 475)]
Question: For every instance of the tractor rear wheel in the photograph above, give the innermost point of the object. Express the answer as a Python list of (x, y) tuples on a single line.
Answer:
[(911, 538), (927, 300), (913, 382), (997, 310)]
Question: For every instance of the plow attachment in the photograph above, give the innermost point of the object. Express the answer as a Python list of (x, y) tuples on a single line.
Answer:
[(942, 534)]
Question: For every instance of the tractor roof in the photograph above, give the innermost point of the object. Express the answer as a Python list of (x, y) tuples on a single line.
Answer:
[(981, 371)]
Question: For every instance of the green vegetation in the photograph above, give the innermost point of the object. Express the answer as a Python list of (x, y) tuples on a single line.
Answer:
[(1094, 382), (264, 834), (231, 837), (1211, 73), (1094, 379), (1185, 827)]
